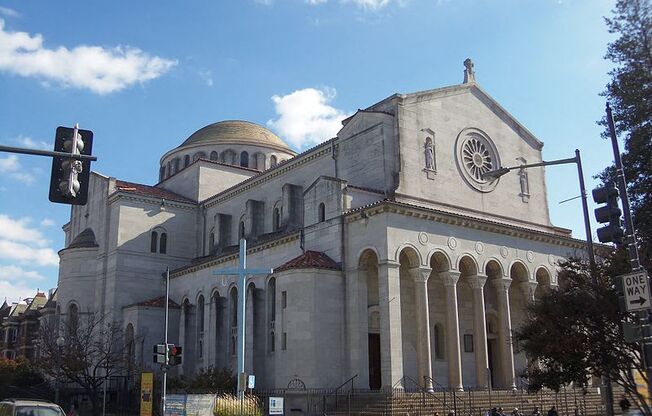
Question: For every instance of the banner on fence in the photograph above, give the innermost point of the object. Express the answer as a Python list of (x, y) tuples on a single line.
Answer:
[(275, 405), (175, 404), (146, 389), (641, 385), (200, 404)]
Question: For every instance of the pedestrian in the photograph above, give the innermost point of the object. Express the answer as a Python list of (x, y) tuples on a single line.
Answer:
[(552, 411), (536, 412), (624, 404), (73, 409), (515, 412), (501, 412), (494, 411)]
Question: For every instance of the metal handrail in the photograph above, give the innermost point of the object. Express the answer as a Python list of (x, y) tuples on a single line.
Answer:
[(335, 393), (452, 392)]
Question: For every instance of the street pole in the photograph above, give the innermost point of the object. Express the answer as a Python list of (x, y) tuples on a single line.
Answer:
[(630, 240), (167, 358)]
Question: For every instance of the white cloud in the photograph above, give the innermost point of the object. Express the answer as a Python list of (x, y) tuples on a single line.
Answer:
[(206, 76), (265, 2), (9, 12), (100, 70), (19, 230), (371, 5), (17, 273), (305, 117), (28, 255), (9, 164), (33, 144), (313, 2), (15, 291), (46, 222)]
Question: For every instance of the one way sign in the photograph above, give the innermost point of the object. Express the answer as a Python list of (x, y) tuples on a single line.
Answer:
[(637, 291)]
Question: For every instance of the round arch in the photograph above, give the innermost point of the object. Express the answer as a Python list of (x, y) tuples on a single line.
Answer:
[(467, 264), (518, 271), (411, 252)]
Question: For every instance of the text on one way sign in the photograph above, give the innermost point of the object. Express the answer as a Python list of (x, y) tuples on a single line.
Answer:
[(637, 292)]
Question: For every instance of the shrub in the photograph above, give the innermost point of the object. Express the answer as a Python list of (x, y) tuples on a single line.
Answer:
[(229, 405)]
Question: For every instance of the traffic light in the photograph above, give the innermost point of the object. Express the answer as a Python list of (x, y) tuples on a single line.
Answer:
[(69, 178), (610, 213), (159, 354), (174, 354)]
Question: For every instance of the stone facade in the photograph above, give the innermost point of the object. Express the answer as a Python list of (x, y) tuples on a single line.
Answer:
[(393, 255)]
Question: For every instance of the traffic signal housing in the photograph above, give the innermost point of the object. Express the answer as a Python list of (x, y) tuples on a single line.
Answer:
[(70, 177), (608, 214), (174, 355), (159, 354)]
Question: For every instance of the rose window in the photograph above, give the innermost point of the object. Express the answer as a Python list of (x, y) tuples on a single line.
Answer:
[(476, 155)]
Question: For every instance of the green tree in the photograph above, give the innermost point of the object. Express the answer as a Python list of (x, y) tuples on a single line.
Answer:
[(17, 373), (630, 95), (575, 332)]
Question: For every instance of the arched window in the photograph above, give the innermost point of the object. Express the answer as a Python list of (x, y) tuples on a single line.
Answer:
[(130, 345), (200, 310), (234, 318), (161, 174), (244, 159), (169, 169), (211, 240), (198, 155), (186, 160), (163, 243), (153, 242), (438, 335), (241, 230), (176, 163), (271, 318), (213, 155), (272, 161), (73, 319), (322, 212), (276, 219)]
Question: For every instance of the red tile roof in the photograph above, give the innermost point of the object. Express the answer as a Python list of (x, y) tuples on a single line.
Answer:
[(147, 190), (155, 303), (310, 260)]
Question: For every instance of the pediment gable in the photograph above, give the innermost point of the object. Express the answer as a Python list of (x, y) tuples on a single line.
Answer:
[(362, 120)]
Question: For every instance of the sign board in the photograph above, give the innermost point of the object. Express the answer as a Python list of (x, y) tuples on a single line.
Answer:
[(251, 383), (637, 291), (175, 404), (275, 405), (200, 405), (146, 393)]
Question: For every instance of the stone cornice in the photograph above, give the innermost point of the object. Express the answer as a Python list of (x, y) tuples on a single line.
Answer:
[(444, 217), (118, 195), (266, 176), (288, 238)]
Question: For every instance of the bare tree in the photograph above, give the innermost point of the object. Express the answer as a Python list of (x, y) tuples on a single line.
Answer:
[(85, 351)]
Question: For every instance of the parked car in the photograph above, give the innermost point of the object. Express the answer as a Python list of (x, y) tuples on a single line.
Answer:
[(29, 407)]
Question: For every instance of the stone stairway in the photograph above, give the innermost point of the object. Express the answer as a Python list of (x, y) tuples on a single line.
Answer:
[(474, 403)]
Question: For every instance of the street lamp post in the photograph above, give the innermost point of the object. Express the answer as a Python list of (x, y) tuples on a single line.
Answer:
[(60, 341), (587, 228)]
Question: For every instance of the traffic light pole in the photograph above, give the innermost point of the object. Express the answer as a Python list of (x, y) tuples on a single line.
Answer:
[(167, 356), (50, 153), (630, 240)]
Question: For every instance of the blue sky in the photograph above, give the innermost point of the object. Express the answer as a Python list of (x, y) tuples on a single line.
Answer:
[(145, 75)]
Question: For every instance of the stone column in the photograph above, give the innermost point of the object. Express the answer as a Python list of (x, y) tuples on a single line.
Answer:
[(356, 323), (529, 288), (391, 337), (209, 339), (421, 275), (479, 330), (450, 279), (505, 331)]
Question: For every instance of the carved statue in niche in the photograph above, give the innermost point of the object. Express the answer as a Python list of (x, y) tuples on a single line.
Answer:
[(524, 181), (429, 151)]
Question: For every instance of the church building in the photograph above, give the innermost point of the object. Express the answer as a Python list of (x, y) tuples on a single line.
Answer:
[(393, 256)]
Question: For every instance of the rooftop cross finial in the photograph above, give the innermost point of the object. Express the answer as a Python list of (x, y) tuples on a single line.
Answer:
[(469, 73)]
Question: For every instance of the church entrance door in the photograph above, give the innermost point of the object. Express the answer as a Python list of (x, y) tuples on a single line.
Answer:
[(375, 379)]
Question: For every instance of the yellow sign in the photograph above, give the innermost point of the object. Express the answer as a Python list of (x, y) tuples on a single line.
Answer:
[(146, 393), (641, 385)]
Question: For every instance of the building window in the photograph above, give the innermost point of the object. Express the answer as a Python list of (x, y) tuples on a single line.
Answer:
[(284, 341), (271, 310), (244, 159), (214, 155), (276, 219), (186, 161), (272, 161), (468, 343), (73, 319), (198, 155), (163, 244), (241, 230), (169, 169), (153, 244), (284, 299), (438, 334), (161, 173), (200, 307), (176, 163), (322, 212), (211, 241)]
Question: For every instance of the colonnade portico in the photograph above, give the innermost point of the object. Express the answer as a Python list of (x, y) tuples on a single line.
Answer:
[(486, 294)]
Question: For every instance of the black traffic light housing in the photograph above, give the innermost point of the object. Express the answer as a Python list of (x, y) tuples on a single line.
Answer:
[(610, 213), (70, 177)]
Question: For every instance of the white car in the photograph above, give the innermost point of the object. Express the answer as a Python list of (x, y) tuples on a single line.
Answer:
[(29, 407)]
